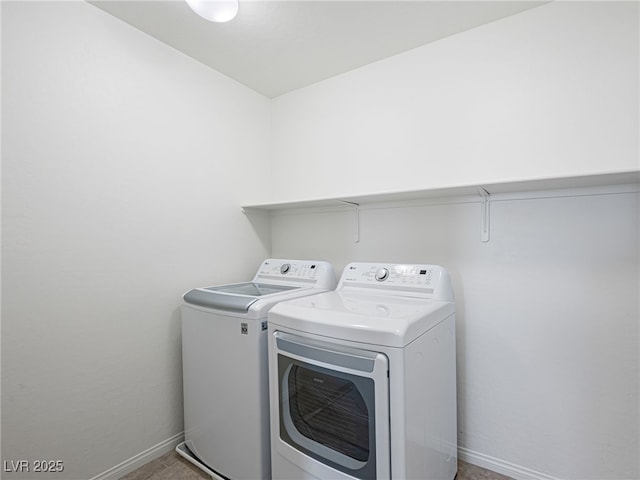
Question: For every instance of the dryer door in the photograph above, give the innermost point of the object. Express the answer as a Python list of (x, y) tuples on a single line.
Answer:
[(334, 406)]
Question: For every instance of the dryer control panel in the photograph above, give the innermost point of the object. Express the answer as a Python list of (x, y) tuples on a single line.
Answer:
[(428, 281)]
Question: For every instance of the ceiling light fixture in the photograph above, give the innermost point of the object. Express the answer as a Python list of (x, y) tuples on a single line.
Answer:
[(215, 10)]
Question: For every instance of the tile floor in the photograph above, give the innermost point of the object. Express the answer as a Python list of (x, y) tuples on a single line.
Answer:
[(172, 466)]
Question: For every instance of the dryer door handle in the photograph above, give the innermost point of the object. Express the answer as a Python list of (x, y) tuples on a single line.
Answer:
[(334, 355)]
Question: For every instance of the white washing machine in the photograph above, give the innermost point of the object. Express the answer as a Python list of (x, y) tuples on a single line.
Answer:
[(225, 373), (363, 379)]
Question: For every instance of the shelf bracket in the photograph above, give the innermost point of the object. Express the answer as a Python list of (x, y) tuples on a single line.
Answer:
[(485, 202), (356, 219)]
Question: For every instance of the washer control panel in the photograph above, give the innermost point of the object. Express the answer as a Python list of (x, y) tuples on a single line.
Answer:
[(289, 268), (431, 281), (291, 272)]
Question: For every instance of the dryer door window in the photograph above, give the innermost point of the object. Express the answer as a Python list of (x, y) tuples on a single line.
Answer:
[(328, 407), (331, 410)]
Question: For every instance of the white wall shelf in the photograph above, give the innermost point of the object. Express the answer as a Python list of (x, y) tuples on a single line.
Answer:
[(482, 194), (511, 187)]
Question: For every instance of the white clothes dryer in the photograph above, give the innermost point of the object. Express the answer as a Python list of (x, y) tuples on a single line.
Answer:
[(225, 373), (363, 379)]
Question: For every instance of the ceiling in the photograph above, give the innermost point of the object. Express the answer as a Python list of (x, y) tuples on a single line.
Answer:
[(274, 47)]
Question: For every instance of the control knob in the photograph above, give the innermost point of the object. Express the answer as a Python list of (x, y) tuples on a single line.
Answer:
[(382, 274), (285, 268)]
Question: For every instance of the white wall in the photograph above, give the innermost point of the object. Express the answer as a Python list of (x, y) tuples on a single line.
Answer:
[(123, 165), (550, 92), (548, 309), (547, 320)]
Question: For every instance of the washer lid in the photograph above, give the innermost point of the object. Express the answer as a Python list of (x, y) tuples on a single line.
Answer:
[(236, 297)]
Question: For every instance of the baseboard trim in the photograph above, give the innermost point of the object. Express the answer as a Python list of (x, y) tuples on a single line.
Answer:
[(120, 470), (475, 458), (500, 466)]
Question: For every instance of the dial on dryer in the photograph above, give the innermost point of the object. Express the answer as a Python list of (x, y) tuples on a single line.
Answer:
[(382, 274)]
